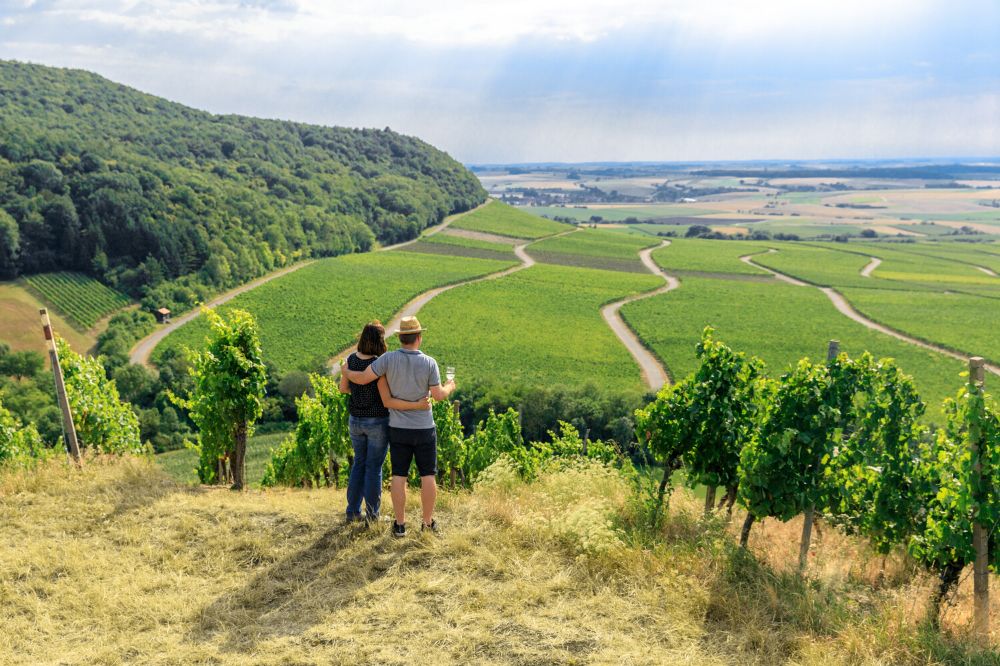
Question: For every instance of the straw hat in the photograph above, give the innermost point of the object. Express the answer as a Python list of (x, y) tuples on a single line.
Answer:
[(410, 325)]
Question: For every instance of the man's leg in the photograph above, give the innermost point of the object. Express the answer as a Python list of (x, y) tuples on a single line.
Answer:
[(426, 454), (401, 457), (428, 496), (399, 499)]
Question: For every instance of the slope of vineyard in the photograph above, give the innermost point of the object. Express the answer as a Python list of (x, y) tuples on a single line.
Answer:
[(119, 564), (594, 248), (539, 326), (781, 323), (710, 256), (82, 299), (960, 321), (317, 311), (503, 220)]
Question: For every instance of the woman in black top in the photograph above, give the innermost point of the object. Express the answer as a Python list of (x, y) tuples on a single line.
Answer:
[(369, 425)]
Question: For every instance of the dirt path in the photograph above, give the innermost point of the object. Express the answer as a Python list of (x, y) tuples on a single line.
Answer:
[(653, 372), (143, 349), (872, 265), (413, 307), (846, 309), (988, 271)]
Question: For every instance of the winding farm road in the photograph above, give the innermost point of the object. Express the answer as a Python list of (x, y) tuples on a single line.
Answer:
[(653, 372), (143, 349), (846, 309), (871, 266)]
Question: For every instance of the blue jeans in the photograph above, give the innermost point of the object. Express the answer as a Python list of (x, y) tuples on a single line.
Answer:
[(370, 438)]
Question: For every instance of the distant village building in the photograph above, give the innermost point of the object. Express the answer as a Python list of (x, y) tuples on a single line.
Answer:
[(162, 316)]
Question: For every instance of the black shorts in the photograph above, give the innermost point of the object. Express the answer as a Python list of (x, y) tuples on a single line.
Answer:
[(406, 444)]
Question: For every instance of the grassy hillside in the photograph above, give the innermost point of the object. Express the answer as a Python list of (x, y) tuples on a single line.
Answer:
[(137, 190), (119, 564)]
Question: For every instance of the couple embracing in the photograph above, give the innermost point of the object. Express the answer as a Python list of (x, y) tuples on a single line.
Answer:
[(389, 408)]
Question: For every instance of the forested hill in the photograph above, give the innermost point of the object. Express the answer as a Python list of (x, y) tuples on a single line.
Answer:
[(168, 202)]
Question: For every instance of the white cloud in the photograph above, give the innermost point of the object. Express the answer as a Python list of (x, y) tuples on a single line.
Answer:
[(447, 23)]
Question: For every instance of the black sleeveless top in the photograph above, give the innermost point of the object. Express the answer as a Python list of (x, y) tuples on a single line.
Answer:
[(365, 401)]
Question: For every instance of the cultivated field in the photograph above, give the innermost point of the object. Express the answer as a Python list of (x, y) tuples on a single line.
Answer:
[(21, 328), (502, 220), (781, 323), (82, 299), (316, 312), (538, 326), (594, 248)]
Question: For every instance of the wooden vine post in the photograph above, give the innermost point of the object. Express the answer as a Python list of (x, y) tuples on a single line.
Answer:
[(69, 430), (709, 500), (980, 538), (832, 352)]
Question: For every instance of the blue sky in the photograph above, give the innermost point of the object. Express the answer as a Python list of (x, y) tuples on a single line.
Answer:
[(561, 80)]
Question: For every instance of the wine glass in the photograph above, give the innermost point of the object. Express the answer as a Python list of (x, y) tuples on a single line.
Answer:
[(449, 373)]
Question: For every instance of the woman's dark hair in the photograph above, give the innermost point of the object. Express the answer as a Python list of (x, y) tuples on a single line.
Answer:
[(372, 340)]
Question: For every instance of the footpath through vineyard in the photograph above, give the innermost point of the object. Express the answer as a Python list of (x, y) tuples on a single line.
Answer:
[(653, 372), (846, 309), (144, 348)]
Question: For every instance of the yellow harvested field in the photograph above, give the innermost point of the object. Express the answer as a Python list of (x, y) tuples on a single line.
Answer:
[(731, 231)]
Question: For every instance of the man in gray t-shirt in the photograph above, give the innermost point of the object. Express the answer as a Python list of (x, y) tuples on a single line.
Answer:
[(411, 375)]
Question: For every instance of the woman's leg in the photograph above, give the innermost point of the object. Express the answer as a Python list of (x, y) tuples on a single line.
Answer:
[(378, 446), (356, 481)]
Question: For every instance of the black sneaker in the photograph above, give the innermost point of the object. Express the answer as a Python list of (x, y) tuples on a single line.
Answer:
[(433, 527), (398, 530)]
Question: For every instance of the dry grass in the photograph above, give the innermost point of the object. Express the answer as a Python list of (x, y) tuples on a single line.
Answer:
[(118, 564)]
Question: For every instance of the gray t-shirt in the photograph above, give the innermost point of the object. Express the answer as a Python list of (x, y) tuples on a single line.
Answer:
[(410, 374)]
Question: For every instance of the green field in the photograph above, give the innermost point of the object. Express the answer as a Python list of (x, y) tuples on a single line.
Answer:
[(183, 463), (594, 248), (986, 255), (825, 266), (959, 321), (710, 256), (444, 238), (595, 243), (779, 322), (317, 311), (444, 243), (81, 299), (539, 326), (503, 220), (928, 269)]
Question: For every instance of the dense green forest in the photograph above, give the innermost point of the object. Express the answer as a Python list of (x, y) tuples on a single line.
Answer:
[(168, 203)]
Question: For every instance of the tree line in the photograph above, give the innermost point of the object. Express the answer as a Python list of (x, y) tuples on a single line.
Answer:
[(169, 204)]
